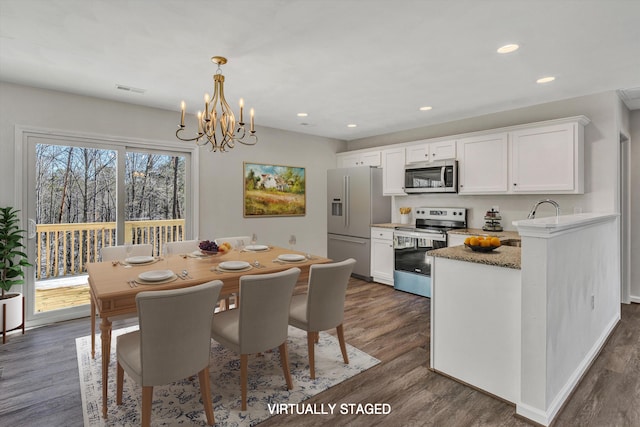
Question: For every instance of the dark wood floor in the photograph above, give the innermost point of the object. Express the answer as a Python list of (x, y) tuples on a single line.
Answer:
[(39, 383)]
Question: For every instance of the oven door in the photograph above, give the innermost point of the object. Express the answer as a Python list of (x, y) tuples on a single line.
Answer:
[(412, 265)]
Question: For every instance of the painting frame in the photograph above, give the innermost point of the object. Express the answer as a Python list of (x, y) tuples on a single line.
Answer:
[(271, 190)]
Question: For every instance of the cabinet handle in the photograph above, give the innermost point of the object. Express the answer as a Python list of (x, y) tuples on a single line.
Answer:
[(433, 155), (514, 184), (461, 185)]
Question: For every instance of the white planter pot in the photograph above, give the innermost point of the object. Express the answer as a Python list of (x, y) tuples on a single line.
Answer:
[(14, 311)]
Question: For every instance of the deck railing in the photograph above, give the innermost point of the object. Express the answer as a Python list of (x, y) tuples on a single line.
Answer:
[(65, 249)]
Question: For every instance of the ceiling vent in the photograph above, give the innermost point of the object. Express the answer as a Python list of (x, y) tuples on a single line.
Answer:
[(631, 97), (130, 89)]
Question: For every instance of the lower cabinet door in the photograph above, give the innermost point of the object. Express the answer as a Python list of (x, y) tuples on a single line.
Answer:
[(382, 261)]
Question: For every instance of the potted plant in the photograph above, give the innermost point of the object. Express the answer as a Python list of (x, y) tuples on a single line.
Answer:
[(12, 263)]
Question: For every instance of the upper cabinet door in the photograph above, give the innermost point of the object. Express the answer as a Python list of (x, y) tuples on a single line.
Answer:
[(417, 153), (546, 159), (442, 150), (483, 164), (393, 161), (350, 160)]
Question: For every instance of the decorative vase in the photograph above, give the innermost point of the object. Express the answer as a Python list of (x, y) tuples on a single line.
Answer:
[(13, 307), (404, 218)]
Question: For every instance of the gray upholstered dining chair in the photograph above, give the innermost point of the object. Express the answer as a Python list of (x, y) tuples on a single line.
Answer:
[(183, 247), (322, 307), (115, 253), (261, 321), (173, 342)]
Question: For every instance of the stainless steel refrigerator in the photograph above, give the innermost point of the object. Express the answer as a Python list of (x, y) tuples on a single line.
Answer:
[(355, 201)]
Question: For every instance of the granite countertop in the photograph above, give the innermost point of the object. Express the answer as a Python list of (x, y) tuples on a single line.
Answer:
[(390, 225), (504, 256), (502, 235)]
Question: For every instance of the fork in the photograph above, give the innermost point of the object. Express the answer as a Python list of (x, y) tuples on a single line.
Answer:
[(132, 284)]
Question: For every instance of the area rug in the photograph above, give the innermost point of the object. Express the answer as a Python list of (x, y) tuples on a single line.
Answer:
[(179, 403)]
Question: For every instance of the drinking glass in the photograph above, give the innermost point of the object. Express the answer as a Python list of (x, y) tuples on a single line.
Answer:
[(240, 245), (254, 238), (292, 241), (128, 248), (166, 253)]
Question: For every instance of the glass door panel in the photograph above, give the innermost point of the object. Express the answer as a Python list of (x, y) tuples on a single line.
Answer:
[(75, 214)]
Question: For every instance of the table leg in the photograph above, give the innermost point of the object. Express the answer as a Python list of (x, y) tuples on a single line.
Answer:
[(93, 329), (105, 328)]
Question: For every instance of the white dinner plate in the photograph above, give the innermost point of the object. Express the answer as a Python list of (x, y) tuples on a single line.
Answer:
[(155, 275), (257, 248), (291, 257), (233, 265), (143, 259)]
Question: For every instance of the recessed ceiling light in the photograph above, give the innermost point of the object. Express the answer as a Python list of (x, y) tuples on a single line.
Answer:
[(425, 108), (545, 79), (302, 114), (352, 125), (508, 48)]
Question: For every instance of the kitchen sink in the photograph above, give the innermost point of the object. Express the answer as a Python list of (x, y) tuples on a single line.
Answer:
[(512, 242)]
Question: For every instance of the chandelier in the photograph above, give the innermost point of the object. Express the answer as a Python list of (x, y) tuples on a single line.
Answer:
[(217, 125)]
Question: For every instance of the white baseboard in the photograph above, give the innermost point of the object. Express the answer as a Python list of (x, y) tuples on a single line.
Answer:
[(634, 299), (545, 417)]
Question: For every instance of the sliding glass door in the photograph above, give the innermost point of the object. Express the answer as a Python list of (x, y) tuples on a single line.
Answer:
[(80, 195)]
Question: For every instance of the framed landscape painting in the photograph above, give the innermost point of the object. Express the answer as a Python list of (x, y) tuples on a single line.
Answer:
[(274, 190)]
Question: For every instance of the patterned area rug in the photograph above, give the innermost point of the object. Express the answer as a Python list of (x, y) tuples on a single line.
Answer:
[(179, 403)]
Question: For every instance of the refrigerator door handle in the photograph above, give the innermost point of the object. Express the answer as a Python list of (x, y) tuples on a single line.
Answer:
[(345, 184), (350, 240), (348, 204)]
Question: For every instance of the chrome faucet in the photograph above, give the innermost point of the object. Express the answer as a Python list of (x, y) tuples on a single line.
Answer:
[(532, 214)]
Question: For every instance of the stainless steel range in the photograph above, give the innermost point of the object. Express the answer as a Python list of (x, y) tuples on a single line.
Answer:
[(412, 266)]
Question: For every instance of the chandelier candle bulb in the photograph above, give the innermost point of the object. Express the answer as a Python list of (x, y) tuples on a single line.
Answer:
[(241, 110), (199, 122), (206, 106), (252, 114), (182, 108)]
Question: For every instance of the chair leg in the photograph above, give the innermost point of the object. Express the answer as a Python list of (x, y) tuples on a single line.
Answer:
[(311, 338), (205, 390), (244, 361), (119, 384), (147, 399), (284, 360), (343, 347)]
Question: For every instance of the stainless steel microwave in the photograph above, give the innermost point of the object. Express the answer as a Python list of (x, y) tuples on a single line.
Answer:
[(435, 177)]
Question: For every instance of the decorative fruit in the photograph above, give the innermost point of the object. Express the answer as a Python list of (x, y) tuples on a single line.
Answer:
[(495, 242), (467, 240), (209, 246), (474, 241)]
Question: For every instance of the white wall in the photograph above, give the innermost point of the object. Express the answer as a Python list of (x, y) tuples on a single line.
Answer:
[(220, 174), (601, 157), (634, 126)]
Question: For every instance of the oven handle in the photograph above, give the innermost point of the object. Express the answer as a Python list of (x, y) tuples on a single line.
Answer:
[(433, 235)]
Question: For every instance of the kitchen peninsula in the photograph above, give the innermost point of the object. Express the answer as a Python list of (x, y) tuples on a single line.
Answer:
[(527, 331)]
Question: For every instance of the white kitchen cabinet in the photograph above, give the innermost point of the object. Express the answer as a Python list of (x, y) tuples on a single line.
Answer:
[(382, 255), (548, 159), (434, 151), (369, 158), (442, 150), (417, 153), (483, 164), (393, 161)]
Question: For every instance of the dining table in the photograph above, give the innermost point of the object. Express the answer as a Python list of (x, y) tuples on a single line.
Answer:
[(113, 286)]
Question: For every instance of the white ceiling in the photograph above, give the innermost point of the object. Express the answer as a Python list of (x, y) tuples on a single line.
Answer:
[(369, 62)]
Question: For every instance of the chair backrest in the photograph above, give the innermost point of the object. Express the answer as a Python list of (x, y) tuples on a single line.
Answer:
[(183, 247), (264, 309), (175, 331), (116, 253), (233, 240), (326, 294)]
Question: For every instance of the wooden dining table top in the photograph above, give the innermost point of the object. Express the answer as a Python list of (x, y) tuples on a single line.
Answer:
[(113, 294)]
